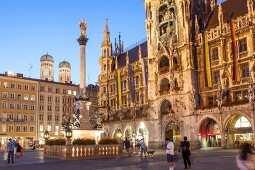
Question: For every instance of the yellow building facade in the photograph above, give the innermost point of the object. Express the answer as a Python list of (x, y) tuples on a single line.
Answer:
[(18, 98), (30, 106), (55, 101)]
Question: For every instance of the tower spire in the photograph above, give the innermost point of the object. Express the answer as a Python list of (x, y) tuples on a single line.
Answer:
[(106, 39)]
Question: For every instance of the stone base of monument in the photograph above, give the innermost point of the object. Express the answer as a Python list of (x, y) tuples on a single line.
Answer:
[(82, 151), (85, 130)]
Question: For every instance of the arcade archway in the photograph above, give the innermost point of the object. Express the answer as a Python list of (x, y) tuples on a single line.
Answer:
[(238, 131), (143, 133), (209, 134), (117, 133), (172, 131), (128, 132)]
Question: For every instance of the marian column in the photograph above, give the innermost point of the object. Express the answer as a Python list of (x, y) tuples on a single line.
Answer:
[(82, 40), (82, 103)]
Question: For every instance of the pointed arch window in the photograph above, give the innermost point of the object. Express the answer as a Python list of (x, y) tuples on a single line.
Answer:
[(163, 65), (105, 52), (242, 122), (165, 107), (164, 86)]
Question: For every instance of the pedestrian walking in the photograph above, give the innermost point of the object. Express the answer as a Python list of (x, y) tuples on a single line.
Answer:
[(137, 146), (170, 153), (185, 147), (19, 150), (127, 145), (10, 150), (34, 145), (245, 160), (143, 148)]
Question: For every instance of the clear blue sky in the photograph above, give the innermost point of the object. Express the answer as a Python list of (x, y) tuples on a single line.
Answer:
[(31, 28)]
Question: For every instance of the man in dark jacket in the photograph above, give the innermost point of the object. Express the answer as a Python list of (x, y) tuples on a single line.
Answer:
[(185, 145), (127, 145)]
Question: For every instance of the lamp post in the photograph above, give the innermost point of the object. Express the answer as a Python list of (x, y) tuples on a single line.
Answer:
[(68, 134), (46, 135)]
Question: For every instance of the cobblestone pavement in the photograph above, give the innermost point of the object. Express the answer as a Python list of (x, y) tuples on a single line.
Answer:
[(201, 160)]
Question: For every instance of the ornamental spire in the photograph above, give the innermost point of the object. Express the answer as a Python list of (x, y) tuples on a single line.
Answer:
[(106, 39)]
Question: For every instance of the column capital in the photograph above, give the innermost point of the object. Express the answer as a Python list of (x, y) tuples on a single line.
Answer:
[(82, 40)]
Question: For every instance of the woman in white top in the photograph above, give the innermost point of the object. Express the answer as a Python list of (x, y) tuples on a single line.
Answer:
[(245, 159)]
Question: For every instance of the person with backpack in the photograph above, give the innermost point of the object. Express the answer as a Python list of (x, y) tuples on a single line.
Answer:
[(185, 148)]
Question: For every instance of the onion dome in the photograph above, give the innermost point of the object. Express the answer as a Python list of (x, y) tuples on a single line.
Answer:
[(47, 57), (64, 64)]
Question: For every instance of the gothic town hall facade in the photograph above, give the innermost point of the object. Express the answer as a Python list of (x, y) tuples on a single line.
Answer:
[(193, 76)]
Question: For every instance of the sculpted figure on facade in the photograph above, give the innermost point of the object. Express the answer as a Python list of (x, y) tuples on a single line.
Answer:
[(181, 81), (251, 92), (192, 98), (219, 98), (156, 83)]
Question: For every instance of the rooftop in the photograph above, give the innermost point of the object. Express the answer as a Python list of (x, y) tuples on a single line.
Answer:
[(231, 10)]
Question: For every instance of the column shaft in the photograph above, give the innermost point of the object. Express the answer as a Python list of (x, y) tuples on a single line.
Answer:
[(82, 71)]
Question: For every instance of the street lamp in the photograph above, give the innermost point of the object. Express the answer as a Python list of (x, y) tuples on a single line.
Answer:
[(69, 134), (46, 135)]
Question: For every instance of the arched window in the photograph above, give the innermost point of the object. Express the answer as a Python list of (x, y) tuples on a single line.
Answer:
[(163, 65), (104, 52), (165, 107), (164, 86), (242, 122)]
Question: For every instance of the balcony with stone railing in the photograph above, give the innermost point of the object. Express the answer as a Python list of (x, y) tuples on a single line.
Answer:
[(164, 91), (82, 152), (226, 106)]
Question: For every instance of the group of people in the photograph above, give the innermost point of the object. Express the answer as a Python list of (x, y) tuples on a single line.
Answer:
[(13, 149), (139, 146), (184, 148), (245, 160)]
